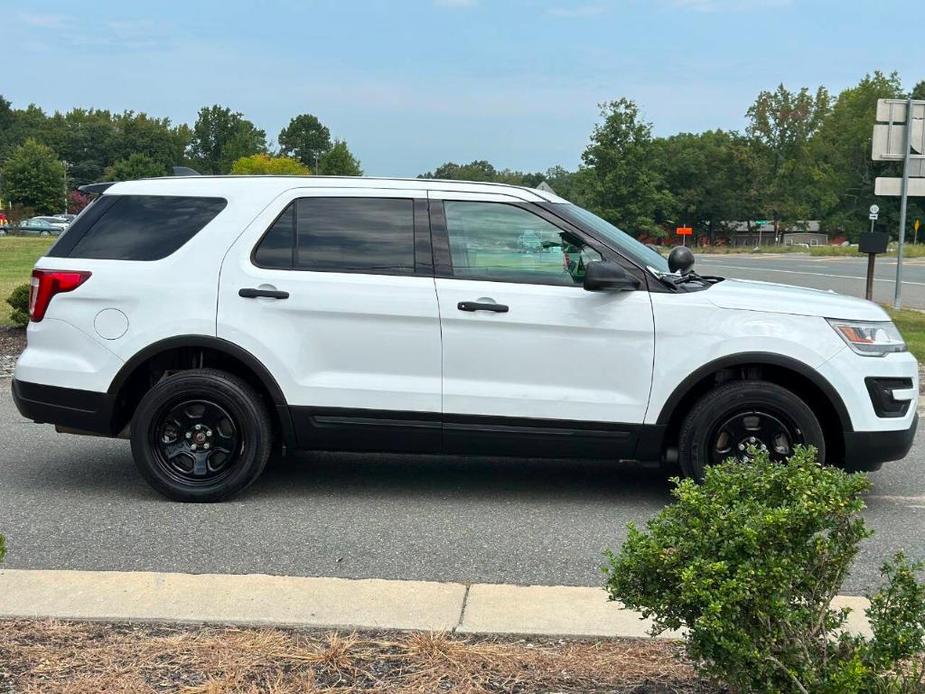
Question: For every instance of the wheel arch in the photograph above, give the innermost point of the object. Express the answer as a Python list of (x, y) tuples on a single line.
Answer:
[(184, 352), (796, 376)]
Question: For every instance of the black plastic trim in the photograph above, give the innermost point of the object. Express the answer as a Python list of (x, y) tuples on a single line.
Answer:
[(757, 359), (68, 407), (430, 432), (220, 345), (881, 395), (869, 450)]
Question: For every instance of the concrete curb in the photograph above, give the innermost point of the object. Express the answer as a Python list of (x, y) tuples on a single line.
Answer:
[(328, 602)]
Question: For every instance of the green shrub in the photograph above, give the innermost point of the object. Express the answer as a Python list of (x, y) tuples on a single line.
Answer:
[(748, 563), (19, 300)]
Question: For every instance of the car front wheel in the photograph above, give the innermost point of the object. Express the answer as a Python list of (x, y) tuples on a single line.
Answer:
[(201, 435), (736, 418)]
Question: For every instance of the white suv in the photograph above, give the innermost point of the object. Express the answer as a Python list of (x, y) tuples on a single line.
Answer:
[(209, 318)]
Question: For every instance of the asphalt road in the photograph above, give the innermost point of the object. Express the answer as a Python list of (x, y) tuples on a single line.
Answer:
[(843, 275), (69, 502)]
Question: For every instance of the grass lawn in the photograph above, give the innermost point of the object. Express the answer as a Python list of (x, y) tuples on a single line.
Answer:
[(17, 256), (912, 325)]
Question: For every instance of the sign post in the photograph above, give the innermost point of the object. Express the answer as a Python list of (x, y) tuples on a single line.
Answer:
[(684, 232), (899, 135), (872, 243)]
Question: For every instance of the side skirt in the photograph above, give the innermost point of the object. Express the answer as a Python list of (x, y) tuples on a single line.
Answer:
[(426, 432)]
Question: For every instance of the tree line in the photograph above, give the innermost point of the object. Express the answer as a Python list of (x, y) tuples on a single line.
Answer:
[(45, 157), (803, 155)]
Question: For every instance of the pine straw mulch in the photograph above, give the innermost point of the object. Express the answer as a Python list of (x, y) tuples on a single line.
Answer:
[(84, 657), (12, 340)]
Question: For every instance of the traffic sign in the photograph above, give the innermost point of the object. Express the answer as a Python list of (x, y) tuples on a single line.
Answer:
[(916, 224), (875, 209), (874, 216), (893, 186), (684, 231)]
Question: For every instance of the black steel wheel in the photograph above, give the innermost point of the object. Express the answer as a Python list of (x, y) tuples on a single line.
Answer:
[(738, 418), (201, 435)]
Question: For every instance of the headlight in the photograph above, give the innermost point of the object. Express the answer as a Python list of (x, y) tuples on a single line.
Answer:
[(869, 339)]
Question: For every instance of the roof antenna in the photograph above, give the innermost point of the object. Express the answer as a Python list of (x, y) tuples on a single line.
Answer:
[(185, 171)]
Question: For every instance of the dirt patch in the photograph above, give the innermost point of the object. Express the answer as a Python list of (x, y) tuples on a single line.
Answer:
[(78, 657)]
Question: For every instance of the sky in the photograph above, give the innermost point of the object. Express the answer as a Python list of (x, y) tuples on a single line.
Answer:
[(410, 84)]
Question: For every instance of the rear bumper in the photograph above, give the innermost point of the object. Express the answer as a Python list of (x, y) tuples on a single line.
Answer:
[(868, 450), (83, 410)]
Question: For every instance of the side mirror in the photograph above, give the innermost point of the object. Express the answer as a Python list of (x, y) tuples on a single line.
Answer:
[(680, 260), (604, 274)]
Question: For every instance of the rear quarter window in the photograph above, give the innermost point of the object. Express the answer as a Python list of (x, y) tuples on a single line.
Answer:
[(136, 227)]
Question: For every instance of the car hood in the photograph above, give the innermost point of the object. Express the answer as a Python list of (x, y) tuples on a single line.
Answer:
[(769, 297)]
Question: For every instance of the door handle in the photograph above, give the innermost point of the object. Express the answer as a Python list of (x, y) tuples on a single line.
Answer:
[(481, 306), (254, 293)]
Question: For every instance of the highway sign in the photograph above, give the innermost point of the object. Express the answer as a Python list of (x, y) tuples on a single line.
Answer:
[(684, 231), (893, 186)]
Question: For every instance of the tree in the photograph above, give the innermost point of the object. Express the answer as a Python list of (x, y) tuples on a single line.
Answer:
[(781, 125), (624, 185), (482, 170), (34, 177), (220, 137), (339, 162), (135, 167), (306, 139), (264, 164), (841, 150), (710, 177)]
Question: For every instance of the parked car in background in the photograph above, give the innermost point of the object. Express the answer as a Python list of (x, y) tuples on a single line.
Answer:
[(41, 226), (66, 218)]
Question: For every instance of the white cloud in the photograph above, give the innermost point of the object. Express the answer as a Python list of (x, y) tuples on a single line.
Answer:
[(44, 21), (728, 5)]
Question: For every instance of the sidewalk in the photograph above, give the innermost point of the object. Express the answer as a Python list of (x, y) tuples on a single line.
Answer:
[(328, 602)]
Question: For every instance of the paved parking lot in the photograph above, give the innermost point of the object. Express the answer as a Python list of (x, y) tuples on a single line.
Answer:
[(70, 502)]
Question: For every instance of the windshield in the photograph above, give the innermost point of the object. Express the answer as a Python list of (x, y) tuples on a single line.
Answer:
[(626, 244)]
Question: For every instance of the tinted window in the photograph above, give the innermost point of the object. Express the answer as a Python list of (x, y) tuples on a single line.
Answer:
[(368, 235), (140, 227), (504, 243), (277, 247)]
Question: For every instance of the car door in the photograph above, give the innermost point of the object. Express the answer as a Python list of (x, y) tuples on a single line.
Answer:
[(333, 291), (533, 363)]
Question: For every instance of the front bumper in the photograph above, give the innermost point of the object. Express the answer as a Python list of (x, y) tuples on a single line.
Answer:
[(868, 450), (81, 410)]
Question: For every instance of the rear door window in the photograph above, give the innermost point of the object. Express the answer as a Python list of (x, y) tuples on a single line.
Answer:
[(350, 234), (136, 227)]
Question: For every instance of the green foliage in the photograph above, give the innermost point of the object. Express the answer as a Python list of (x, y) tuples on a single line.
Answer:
[(19, 304), (34, 177), (625, 184), (339, 162), (264, 164), (135, 167), (2, 547), (748, 563), (482, 170), (220, 137), (306, 139)]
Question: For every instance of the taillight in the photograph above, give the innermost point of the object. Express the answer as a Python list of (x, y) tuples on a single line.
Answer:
[(46, 283)]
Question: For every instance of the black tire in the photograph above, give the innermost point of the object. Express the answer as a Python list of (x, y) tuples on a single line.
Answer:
[(180, 411), (713, 425)]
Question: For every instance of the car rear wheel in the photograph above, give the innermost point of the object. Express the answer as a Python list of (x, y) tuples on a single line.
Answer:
[(201, 435), (733, 419)]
